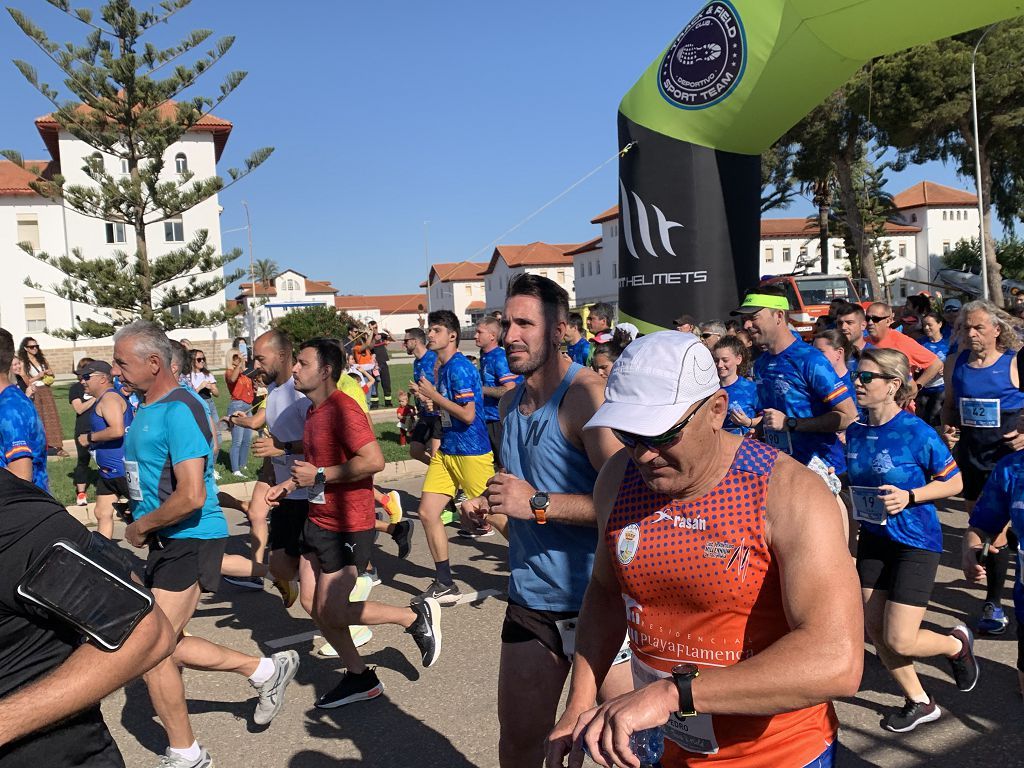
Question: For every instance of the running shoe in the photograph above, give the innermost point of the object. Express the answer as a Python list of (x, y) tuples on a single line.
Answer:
[(171, 760), (361, 589), (289, 591), (460, 496), (993, 620), (286, 664), (476, 533), (393, 505), (239, 473), (445, 594), (360, 637), (449, 514), (912, 715), (371, 574), (255, 583), (82, 500), (352, 688), (403, 538), (426, 630), (964, 665)]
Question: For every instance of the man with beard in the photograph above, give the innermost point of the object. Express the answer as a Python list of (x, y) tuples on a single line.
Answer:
[(544, 492)]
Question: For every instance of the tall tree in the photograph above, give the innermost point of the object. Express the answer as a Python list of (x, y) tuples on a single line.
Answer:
[(922, 100), (125, 110), (264, 271), (777, 184)]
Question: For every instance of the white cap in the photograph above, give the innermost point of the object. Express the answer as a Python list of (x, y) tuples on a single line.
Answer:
[(629, 328), (654, 382)]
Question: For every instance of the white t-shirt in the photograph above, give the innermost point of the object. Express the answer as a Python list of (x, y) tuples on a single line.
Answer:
[(198, 377), (286, 419)]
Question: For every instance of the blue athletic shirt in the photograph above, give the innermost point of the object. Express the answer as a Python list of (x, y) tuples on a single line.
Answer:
[(1002, 502), (940, 349), (580, 351), (424, 368), (22, 435), (459, 381), (800, 382), (494, 372), (173, 429), (110, 453), (909, 454), (742, 395)]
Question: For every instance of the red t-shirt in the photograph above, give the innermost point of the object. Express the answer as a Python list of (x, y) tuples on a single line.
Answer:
[(335, 430)]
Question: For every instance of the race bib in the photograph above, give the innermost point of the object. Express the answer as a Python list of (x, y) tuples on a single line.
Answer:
[(694, 734), (131, 475), (567, 632), (782, 441), (446, 419), (979, 412), (317, 493), (867, 505)]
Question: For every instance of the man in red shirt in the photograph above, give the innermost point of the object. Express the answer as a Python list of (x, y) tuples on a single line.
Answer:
[(923, 364), (342, 455)]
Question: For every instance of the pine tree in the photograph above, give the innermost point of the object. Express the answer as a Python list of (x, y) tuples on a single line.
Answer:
[(128, 103)]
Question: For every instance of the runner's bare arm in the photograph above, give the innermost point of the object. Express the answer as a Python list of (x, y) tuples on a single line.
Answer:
[(85, 677), (929, 373), (602, 621), (498, 391), (111, 410), (465, 413), (839, 418), (21, 468), (822, 656), (189, 495), (950, 418)]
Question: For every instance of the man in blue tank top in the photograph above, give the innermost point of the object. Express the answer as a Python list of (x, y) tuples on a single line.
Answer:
[(108, 420), (545, 494)]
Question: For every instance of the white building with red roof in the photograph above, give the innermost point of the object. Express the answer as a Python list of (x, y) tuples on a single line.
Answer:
[(57, 229), (458, 287), (287, 291), (554, 261)]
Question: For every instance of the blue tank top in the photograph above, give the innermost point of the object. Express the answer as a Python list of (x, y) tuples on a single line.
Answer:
[(987, 403), (109, 453), (549, 564)]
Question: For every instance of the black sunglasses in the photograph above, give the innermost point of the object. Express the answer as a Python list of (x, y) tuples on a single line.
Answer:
[(31, 346), (866, 377), (876, 319), (656, 442), (709, 335)]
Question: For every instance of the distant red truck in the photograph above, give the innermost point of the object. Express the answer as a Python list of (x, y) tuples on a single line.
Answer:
[(810, 295)]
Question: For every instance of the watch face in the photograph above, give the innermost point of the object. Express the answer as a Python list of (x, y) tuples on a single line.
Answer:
[(540, 500), (685, 670)]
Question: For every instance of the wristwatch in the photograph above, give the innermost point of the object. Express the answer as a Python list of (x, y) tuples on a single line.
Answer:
[(912, 501), (539, 503), (684, 675), (321, 476), (791, 423)]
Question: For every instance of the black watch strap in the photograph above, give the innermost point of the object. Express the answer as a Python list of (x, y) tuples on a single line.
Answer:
[(912, 501), (684, 683)]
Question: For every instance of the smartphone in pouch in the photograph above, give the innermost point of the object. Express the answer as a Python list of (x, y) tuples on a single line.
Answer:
[(88, 595)]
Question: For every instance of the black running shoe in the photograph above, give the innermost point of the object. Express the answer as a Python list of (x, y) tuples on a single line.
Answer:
[(426, 630), (403, 538), (912, 715), (352, 688), (445, 594), (964, 664)]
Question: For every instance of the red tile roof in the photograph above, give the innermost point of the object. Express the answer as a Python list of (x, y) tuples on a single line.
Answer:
[(49, 128), (535, 254), (587, 247), (459, 271), (794, 227), (318, 286), (475, 305), (14, 180), (928, 193), (262, 289), (395, 304), (611, 213)]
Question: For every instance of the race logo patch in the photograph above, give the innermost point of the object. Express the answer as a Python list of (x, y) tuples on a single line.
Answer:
[(718, 550), (706, 61), (627, 544)]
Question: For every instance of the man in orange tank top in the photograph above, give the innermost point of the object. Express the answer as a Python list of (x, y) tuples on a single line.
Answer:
[(739, 597)]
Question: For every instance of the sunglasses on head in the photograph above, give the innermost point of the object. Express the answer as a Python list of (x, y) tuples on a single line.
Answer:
[(655, 442), (876, 318), (866, 377)]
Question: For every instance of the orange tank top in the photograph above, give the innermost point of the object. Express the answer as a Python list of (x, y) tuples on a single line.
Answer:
[(700, 586)]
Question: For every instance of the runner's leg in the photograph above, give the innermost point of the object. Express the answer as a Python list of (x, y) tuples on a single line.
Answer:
[(530, 681), (104, 512)]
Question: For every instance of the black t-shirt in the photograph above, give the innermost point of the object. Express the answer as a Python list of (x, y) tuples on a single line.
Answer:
[(32, 643), (380, 347), (83, 424)]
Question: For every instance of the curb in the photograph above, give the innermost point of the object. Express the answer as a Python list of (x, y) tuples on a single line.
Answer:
[(395, 470)]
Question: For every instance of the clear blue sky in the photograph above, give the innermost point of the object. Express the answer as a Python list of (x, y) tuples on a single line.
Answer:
[(467, 115)]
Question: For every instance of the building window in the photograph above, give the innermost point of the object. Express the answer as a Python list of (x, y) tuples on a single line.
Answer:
[(803, 253), (597, 267), (28, 230), (174, 231), (615, 230), (35, 315), (590, 269), (115, 232), (837, 253), (769, 255), (615, 269), (946, 248), (913, 218), (944, 216), (469, 289), (561, 275), (178, 311), (903, 250), (787, 254), (180, 163), (958, 214), (124, 166)]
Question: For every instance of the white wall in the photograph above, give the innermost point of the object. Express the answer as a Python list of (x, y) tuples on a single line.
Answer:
[(496, 283), (454, 296)]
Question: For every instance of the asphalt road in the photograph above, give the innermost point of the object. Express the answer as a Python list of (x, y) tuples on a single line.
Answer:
[(445, 717)]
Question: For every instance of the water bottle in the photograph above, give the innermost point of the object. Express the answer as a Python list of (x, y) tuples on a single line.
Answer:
[(648, 746)]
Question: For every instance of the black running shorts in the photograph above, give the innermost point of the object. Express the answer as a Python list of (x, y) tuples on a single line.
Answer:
[(112, 486), (175, 565), (906, 573), (286, 522), (524, 624), (337, 549)]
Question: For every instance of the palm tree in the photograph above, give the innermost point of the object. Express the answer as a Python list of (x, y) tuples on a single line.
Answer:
[(264, 271)]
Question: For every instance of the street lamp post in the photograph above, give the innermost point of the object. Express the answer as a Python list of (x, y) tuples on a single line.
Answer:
[(252, 280), (977, 166)]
